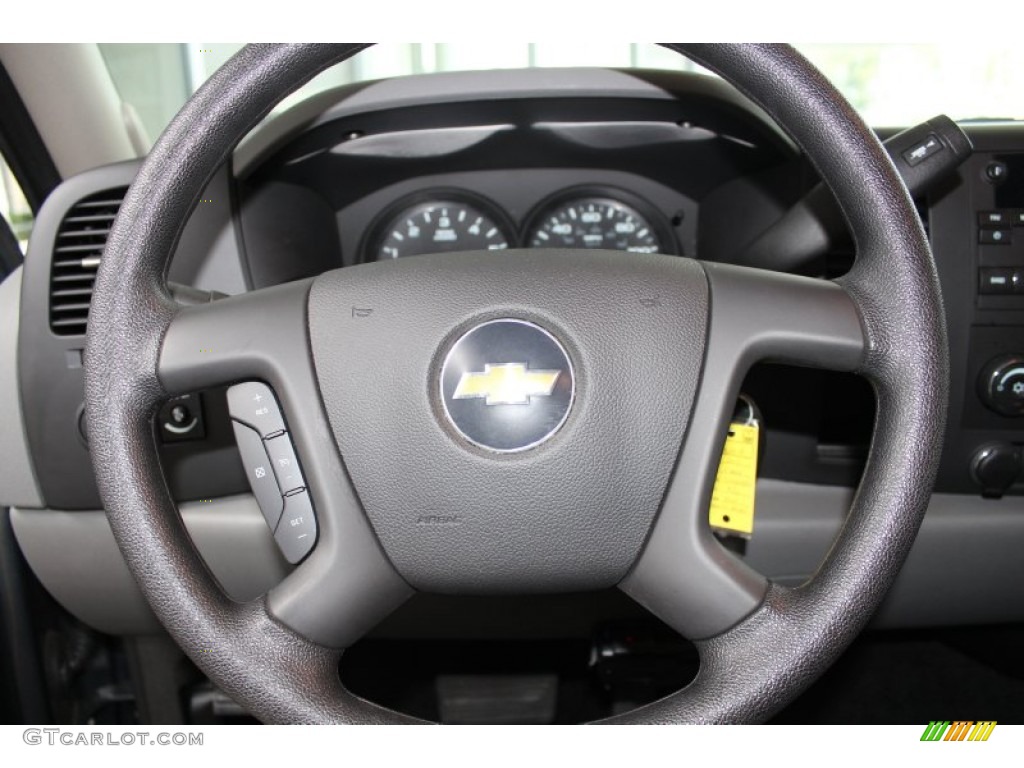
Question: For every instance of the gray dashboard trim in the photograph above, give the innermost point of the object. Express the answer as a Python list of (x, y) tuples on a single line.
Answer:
[(207, 256), (18, 486), (964, 568), (74, 555)]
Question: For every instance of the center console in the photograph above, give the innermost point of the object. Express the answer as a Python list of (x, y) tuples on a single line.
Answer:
[(977, 234)]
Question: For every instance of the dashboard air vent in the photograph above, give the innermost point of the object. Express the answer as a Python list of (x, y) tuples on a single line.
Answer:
[(76, 257)]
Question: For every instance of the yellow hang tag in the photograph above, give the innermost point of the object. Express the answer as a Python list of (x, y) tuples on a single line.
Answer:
[(732, 501)]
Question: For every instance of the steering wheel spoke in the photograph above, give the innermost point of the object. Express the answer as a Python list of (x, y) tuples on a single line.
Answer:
[(683, 575), (259, 335), (759, 315), (346, 584)]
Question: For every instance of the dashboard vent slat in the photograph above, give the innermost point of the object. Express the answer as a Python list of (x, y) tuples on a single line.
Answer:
[(72, 324), (68, 263), (68, 309), (71, 292), (93, 233), (90, 218), (80, 241), (64, 279), (97, 201), (96, 248)]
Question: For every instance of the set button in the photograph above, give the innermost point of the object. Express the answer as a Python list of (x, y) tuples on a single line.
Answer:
[(296, 533)]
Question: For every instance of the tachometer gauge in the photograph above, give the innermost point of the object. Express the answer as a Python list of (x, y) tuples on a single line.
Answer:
[(595, 222), (440, 226)]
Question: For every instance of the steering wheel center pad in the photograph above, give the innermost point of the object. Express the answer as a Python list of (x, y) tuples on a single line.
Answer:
[(567, 515)]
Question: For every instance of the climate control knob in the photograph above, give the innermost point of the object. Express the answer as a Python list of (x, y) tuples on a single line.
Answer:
[(1001, 385)]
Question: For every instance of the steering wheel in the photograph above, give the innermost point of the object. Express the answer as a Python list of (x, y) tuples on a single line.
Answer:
[(411, 493)]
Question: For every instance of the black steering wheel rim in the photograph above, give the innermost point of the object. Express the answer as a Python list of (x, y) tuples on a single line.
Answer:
[(748, 671)]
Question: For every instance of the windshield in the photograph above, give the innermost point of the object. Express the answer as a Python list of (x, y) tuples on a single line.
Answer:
[(890, 84)]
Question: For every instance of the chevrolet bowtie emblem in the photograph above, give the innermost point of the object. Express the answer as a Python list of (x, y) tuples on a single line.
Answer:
[(506, 384), (480, 370)]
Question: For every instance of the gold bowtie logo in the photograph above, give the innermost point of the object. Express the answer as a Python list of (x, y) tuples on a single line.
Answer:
[(506, 384)]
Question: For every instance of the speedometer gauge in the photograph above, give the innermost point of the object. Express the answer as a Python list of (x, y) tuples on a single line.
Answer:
[(440, 226), (595, 222)]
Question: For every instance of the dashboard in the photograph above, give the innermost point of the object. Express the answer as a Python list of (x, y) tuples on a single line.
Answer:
[(522, 171), (637, 161)]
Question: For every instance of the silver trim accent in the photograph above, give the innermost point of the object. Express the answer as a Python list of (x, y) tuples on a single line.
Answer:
[(181, 430)]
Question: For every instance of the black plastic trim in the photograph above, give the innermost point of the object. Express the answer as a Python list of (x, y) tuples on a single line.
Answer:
[(10, 251), (20, 662)]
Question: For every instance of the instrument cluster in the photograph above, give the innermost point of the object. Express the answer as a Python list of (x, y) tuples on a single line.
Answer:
[(445, 220)]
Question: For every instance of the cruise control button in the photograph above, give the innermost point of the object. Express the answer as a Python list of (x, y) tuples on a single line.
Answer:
[(253, 403), (260, 474), (286, 465), (296, 533)]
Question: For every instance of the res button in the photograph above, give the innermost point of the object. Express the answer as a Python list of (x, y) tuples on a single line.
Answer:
[(254, 404)]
